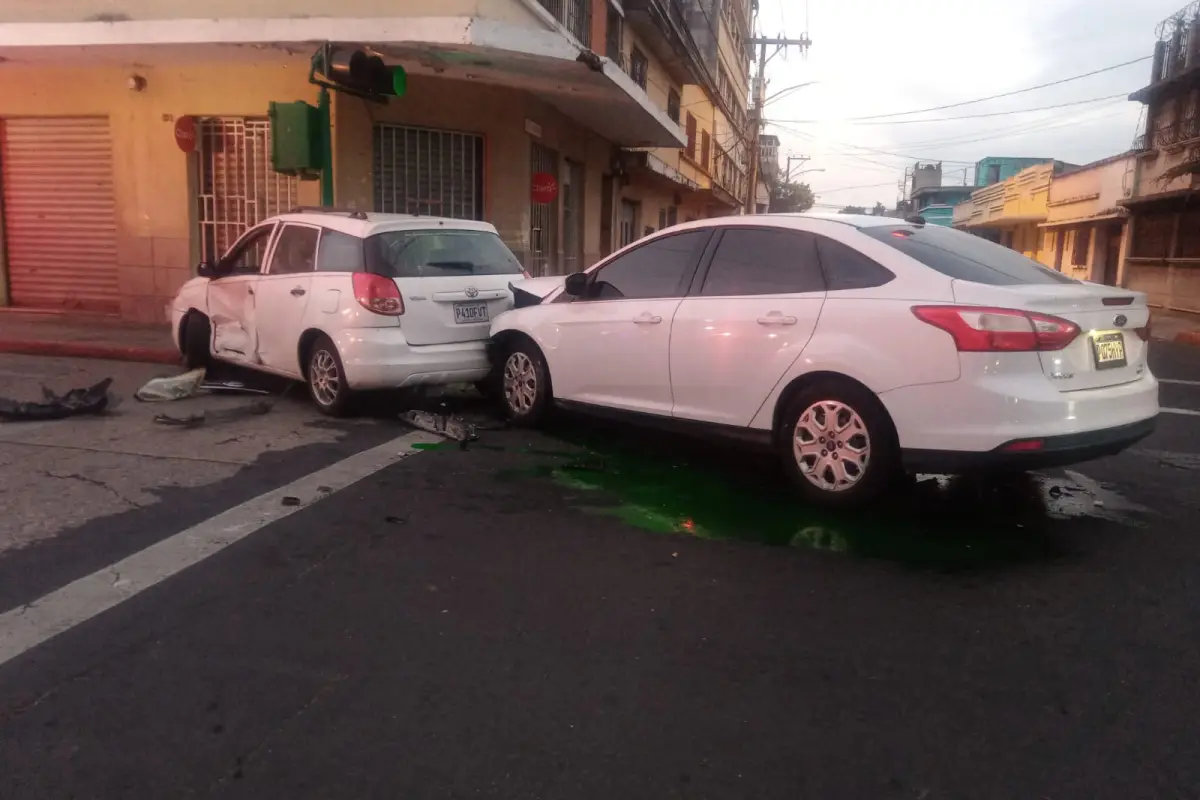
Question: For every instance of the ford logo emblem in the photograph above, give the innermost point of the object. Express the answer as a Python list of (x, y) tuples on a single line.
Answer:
[(473, 292), (1118, 320)]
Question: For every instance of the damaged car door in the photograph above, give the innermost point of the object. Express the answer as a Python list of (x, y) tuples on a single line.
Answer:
[(281, 297), (231, 306)]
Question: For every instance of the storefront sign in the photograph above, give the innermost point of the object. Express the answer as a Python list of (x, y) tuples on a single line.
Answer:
[(185, 134), (545, 187)]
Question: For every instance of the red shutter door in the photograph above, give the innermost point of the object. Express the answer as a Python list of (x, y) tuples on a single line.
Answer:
[(59, 213)]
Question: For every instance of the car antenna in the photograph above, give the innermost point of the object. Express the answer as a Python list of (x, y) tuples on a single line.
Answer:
[(916, 219)]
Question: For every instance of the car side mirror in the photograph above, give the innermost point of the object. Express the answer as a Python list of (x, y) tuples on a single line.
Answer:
[(206, 270), (577, 284)]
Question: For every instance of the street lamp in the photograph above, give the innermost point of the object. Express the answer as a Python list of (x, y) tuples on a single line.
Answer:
[(798, 173), (787, 90)]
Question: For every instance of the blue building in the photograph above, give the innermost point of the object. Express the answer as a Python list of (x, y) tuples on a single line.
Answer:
[(994, 169)]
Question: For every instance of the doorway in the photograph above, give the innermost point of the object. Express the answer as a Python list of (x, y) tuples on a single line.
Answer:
[(1112, 253)]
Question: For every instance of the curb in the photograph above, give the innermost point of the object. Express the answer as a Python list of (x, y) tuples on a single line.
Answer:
[(110, 352), (1188, 337)]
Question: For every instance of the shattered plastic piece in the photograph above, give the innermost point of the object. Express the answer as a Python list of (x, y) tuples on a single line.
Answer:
[(171, 387), (291, 501), (231, 386), (93, 400), (441, 424), (257, 408)]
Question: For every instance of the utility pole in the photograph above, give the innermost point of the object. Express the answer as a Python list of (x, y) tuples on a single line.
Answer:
[(801, 159), (759, 101)]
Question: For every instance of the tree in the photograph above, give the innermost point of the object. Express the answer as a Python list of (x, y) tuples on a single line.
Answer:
[(791, 198), (853, 210), (880, 210)]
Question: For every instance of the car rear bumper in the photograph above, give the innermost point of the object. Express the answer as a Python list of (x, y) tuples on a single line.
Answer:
[(1052, 451), (381, 358)]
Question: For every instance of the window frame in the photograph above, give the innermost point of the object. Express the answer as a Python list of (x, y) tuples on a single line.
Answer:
[(686, 280), (691, 130), (674, 105), (283, 226), (829, 277), (236, 250), (639, 63)]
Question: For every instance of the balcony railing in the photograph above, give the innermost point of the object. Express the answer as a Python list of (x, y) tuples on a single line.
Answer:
[(1182, 130), (1178, 47), (575, 15)]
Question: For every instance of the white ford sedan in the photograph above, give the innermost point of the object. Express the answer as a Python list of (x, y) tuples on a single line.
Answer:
[(350, 301), (855, 347)]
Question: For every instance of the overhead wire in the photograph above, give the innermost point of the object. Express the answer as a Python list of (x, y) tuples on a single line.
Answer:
[(1110, 97)]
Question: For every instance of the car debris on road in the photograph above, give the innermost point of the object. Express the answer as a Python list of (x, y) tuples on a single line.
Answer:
[(95, 399)]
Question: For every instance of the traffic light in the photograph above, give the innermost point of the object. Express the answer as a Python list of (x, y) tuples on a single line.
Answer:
[(359, 72)]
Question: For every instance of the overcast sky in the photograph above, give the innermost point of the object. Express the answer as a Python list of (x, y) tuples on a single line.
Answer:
[(872, 57)]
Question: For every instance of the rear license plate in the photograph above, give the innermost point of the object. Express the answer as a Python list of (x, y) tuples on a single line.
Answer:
[(468, 313), (1108, 349)]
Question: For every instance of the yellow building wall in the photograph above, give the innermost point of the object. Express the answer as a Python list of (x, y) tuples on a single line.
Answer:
[(104, 10), (152, 177)]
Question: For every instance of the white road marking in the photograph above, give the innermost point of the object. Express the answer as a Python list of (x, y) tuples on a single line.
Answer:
[(1179, 382), (22, 629), (1185, 411)]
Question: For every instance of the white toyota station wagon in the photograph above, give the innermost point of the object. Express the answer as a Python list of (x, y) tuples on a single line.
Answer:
[(350, 301), (854, 346)]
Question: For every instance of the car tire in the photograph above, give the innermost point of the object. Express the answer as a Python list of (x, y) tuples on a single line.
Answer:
[(326, 378), (523, 384), (195, 340), (837, 444)]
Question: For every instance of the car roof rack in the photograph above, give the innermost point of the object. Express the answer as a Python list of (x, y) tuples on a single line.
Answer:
[(354, 214)]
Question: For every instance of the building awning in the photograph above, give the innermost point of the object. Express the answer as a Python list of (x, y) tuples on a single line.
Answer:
[(657, 169), (1172, 198), (1001, 222), (1102, 216), (547, 63)]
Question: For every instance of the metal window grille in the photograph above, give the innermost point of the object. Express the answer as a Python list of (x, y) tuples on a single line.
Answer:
[(237, 187), (575, 15), (431, 172), (543, 217)]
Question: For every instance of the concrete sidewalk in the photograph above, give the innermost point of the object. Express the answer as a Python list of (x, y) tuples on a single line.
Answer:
[(85, 336), (1175, 326)]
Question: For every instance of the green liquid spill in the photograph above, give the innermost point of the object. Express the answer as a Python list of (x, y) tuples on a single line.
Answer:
[(652, 486)]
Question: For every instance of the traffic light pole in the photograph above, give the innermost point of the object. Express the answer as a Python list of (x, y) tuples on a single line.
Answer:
[(326, 125)]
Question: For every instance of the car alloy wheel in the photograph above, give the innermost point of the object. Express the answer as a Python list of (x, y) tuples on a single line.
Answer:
[(831, 445), (324, 377), (520, 383)]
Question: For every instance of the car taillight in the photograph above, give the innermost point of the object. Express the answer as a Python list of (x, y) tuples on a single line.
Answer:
[(378, 294), (977, 329)]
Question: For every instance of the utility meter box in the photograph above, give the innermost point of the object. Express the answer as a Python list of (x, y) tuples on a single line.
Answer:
[(295, 140)]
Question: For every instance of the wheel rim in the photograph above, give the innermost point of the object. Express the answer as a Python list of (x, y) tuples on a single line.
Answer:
[(324, 378), (520, 383), (831, 445)]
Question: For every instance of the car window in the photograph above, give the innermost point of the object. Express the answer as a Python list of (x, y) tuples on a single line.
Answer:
[(246, 256), (966, 257), (296, 250), (339, 252), (655, 269), (751, 261), (439, 253), (846, 268)]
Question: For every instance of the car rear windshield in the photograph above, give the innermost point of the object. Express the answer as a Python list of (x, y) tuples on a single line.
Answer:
[(964, 256), (439, 253)]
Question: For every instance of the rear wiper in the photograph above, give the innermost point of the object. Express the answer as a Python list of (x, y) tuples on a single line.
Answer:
[(452, 264)]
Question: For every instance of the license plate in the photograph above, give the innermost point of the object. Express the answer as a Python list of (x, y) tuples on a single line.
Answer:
[(468, 313), (1108, 349)]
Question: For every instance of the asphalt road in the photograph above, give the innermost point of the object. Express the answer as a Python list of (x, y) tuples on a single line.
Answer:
[(596, 612)]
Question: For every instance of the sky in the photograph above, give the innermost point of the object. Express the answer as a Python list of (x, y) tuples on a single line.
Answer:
[(877, 57)]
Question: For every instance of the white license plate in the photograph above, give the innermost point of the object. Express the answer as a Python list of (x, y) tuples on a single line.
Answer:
[(1109, 350), (468, 313)]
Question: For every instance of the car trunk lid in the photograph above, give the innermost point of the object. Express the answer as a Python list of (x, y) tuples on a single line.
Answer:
[(445, 310), (1109, 349)]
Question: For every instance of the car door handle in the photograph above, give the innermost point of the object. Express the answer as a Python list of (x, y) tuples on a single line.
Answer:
[(647, 319), (775, 318), (297, 292)]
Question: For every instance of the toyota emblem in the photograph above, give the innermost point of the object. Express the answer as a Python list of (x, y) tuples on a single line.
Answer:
[(1118, 320), (473, 292)]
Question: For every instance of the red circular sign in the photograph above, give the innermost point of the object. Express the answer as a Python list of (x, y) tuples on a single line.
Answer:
[(185, 134), (544, 188)]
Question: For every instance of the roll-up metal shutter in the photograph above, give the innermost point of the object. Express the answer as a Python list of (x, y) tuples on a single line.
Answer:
[(59, 213), (429, 172)]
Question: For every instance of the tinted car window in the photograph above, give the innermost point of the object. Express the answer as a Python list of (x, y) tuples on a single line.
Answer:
[(296, 250), (965, 257), (846, 268), (751, 261), (339, 252), (656, 269), (439, 253)]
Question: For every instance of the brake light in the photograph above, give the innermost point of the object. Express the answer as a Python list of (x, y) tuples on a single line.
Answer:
[(1023, 446), (978, 329), (378, 294)]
